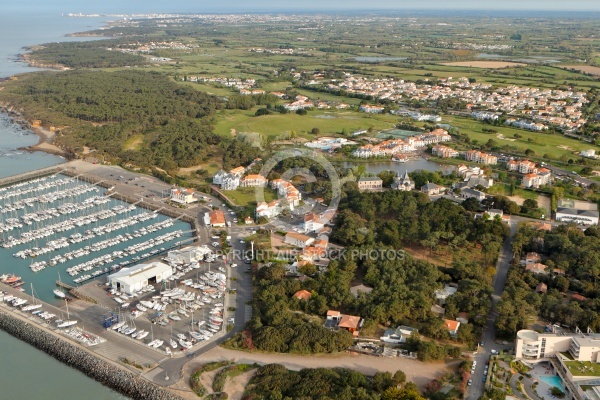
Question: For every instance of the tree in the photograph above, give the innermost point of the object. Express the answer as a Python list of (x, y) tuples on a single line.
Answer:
[(315, 131), (301, 111), (399, 378), (400, 394), (262, 111), (471, 204)]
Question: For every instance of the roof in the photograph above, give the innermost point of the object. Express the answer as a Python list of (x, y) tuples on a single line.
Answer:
[(431, 186), (472, 192), (298, 236), (349, 321), (253, 177), (495, 211), (451, 325), (573, 211), (536, 267), (577, 296), (532, 256), (217, 217), (370, 179), (302, 294), (541, 287), (140, 272), (333, 313), (238, 170)]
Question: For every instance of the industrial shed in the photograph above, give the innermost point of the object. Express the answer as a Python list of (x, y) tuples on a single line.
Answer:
[(131, 280)]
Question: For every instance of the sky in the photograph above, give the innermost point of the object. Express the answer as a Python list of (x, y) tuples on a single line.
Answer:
[(204, 6)]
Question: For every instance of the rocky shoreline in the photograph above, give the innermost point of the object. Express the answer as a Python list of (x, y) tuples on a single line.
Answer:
[(124, 382), (46, 137)]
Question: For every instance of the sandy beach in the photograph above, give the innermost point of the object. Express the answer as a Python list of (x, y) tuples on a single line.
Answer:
[(45, 144)]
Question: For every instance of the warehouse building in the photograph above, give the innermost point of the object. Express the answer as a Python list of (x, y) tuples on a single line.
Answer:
[(134, 279)]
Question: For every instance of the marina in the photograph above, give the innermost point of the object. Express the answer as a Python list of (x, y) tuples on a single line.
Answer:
[(58, 223)]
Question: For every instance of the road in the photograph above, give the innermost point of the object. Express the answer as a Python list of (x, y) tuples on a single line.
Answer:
[(476, 390)]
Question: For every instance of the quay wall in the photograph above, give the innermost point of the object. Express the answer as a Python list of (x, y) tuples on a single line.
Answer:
[(118, 379), (9, 180)]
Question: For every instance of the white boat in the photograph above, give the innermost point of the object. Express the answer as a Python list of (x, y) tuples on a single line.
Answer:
[(32, 307), (196, 335), (158, 343), (68, 322), (168, 351), (117, 325), (57, 292), (130, 331), (185, 344), (181, 336), (173, 344), (142, 335)]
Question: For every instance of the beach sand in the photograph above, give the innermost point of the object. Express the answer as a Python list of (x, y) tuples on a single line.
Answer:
[(45, 144)]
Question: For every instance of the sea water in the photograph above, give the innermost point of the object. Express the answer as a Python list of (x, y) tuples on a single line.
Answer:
[(28, 373)]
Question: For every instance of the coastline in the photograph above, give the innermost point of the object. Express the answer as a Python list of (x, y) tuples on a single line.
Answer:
[(45, 143), (46, 136), (76, 356)]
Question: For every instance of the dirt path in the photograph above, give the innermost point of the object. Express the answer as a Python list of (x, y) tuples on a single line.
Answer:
[(207, 379), (234, 387), (416, 371)]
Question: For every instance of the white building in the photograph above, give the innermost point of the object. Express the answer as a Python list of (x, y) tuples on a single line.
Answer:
[(591, 153), (398, 335), (134, 279), (586, 217), (183, 196), (298, 239), (268, 210), (189, 254)]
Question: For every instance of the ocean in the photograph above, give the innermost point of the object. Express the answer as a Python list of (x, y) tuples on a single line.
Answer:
[(28, 373)]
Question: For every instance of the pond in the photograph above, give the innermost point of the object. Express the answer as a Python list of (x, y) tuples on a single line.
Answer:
[(378, 59)]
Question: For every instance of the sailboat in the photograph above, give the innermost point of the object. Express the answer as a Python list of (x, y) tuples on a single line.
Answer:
[(68, 322), (35, 304), (173, 342), (58, 292)]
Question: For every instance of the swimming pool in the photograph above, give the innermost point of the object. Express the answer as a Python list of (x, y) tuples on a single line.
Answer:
[(553, 380)]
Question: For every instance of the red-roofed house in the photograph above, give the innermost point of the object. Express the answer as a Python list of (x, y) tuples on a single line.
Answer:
[(536, 268), (578, 297), (217, 219), (452, 326), (351, 323), (302, 294)]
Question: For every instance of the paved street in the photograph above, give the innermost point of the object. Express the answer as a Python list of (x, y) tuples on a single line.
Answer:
[(502, 266)]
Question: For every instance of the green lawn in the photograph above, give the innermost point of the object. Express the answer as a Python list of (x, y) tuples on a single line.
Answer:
[(277, 125), (247, 196), (542, 143), (583, 368)]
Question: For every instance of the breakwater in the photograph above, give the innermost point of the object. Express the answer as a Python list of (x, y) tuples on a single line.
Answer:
[(124, 382)]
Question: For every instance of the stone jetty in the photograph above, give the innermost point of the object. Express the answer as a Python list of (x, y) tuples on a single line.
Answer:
[(108, 374)]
